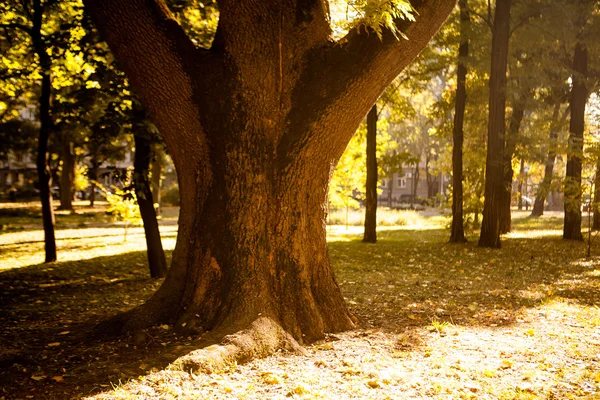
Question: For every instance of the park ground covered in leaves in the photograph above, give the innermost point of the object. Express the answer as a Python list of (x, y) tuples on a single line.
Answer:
[(436, 320)]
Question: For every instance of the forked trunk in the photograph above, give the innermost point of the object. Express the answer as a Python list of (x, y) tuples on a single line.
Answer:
[(255, 126), (67, 177), (572, 223), (141, 165), (370, 234), (494, 166), (457, 232)]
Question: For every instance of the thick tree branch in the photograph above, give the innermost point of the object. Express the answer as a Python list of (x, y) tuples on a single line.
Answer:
[(352, 74), (160, 60)]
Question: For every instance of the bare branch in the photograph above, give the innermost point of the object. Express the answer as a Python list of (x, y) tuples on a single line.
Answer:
[(484, 19)]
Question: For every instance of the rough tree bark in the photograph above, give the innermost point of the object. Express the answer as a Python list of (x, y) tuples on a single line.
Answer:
[(141, 169), (42, 162), (254, 126), (509, 149), (494, 166), (457, 231), (572, 192), (370, 235), (67, 177), (544, 188)]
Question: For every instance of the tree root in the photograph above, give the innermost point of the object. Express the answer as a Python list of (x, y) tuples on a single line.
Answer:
[(263, 338)]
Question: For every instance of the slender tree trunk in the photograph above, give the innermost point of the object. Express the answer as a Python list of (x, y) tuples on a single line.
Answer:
[(521, 175), (43, 169), (67, 177), (93, 177), (432, 181), (509, 150), (157, 164), (494, 172), (415, 185), (370, 234), (457, 231), (595, 201), (391, 191), (544, 188), (579, 94), (141, 165)]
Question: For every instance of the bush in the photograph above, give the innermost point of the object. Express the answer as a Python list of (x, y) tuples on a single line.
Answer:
[(170, 196)]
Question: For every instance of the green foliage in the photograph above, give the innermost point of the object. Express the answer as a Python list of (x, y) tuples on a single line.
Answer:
[(170, 196), (122, 205), (81, 182), (347, 184), (378, 15)]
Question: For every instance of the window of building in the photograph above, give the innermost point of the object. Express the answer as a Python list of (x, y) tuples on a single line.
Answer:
[(402, 182)]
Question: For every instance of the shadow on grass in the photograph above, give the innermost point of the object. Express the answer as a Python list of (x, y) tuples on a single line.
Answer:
[(408, 279), (106, 235), (47, 349)]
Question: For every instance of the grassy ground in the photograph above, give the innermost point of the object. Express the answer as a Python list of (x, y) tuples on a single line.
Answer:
[(437, 321)]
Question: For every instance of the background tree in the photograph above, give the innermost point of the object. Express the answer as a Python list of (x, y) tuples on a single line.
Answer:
[(457, 234), (370, 234), (494, 174)]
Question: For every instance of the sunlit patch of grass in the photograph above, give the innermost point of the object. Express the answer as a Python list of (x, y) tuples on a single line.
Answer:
[(388, 218), (23, 248), (534, 234)]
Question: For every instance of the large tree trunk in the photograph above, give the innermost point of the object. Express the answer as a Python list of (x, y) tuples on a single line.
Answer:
[(544, 188), (579, 94), (251, 244), (67, 177), (509, 150), (457, 232), (494, 172), (370, 234), (141, 165)]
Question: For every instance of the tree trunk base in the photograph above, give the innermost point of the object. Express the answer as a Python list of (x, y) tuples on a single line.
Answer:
[(261, 339), (458, 240)]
